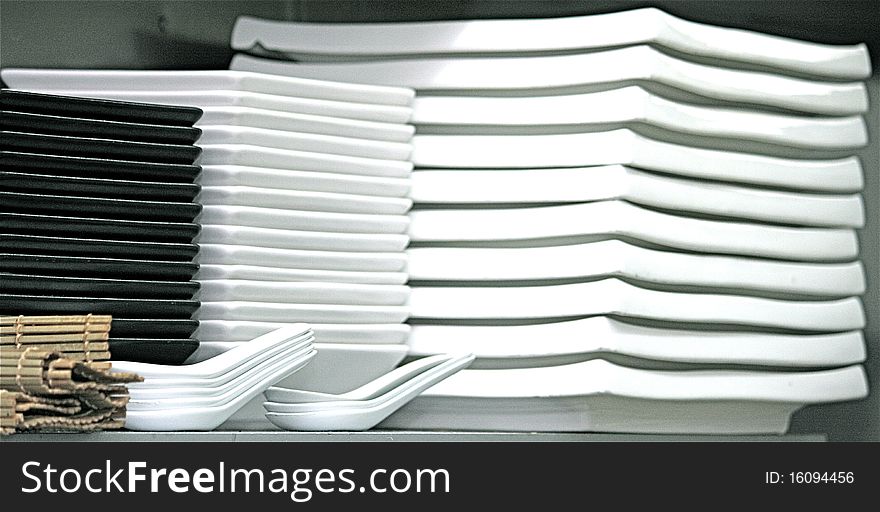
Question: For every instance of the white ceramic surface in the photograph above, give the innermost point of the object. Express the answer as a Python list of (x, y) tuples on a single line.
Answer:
[(304, 293), (294, 239), (292, 258), (261, 156), (278, 218), (615, 297), (620, 259), (368, 391), (617, 218), (287, 179), (584, 184), (262, 273), (599, 396), (635, 105), (231, 98), (304, 141), (301, 200), (605, 335), (73, 79), (628, 148), (317, 313), (637, 26), (360, 415), (537, 74)]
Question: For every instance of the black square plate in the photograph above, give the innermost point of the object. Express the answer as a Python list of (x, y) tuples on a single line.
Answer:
[(92, 187), (49, 245), (130, 209), (61, 165), (152, 328), (132, 308), (126, 111), (23, 284), (115, 130), (153, 351), (98, 148), (109, 229), (109, 268)]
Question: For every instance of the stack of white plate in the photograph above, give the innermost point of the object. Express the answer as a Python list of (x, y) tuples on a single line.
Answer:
[(628, 240), (305, 189), (202, 396)]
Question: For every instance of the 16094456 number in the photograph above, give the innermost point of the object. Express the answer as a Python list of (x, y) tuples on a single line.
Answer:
[(820, 477)]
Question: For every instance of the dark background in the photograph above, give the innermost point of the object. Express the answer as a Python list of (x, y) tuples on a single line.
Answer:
[(188, 34)]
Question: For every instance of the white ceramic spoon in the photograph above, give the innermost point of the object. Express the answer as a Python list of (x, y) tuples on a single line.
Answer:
[(261, 273), (286, 179), (618, 218), (221, 365), (368, 391), (628, 148), (336, 368), (635, 105), (234, 331), (363, 415), (537, 74), (259, 217), (614, 258), (301, 200), (204, 418), (636, 26), (318, 313), (600, 396), (182, 387), (292, 258), (93, 79), (605, 335), (230, 98), (303, 141), (214, 396), (294, 239), (300, 292), (585, 184), (261, 156), (615, 297)]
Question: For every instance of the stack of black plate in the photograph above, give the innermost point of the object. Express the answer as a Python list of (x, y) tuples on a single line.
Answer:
[(97, 216)]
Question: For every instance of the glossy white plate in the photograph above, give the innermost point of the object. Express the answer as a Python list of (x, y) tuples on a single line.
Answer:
[(359, 415), (307, 240), (637, 26), (614, 258), (208, 418), (303, 293), (93, 79), (287, 179), (618, 218), (302, 200), (260, 156), (635, 105), (291, 258), (263, 273), (317, 313), (278, 218), (232, 330), (584, 184), (614, 297), (605, 335), (628, 148), (303, 141), (230, 98), (603, 397), (538, 74)]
